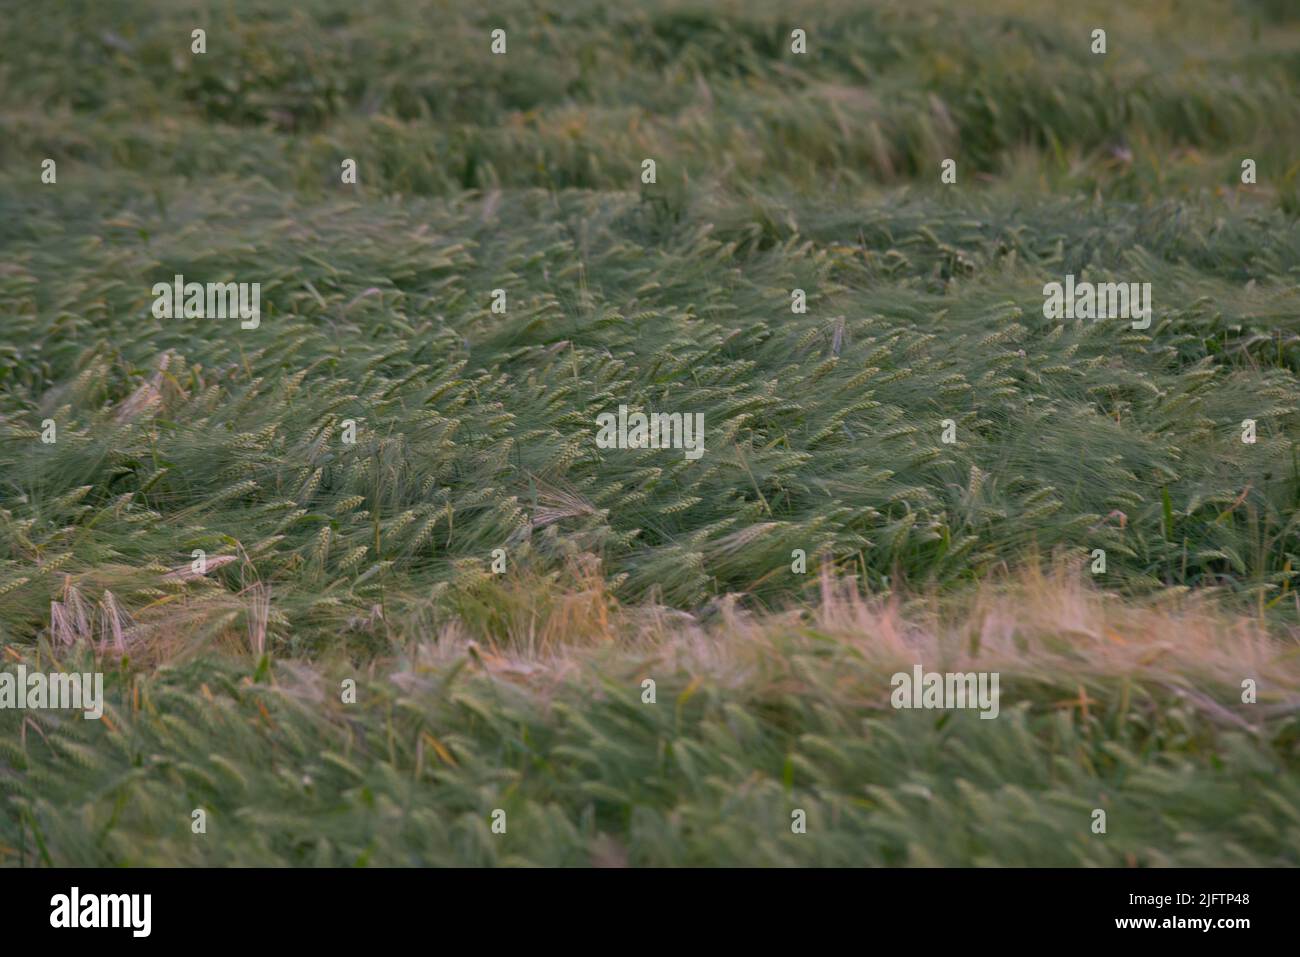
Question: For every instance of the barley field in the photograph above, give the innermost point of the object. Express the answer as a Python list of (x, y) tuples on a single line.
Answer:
[(364, 588)]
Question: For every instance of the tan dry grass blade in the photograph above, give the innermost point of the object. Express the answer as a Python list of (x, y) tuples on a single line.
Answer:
[(259, 610), (1053, 628), (148, 395), (104, 623), (186, 572), (70, 619)]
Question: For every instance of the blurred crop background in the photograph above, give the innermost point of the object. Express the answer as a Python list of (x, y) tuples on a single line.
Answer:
[(776, 171)]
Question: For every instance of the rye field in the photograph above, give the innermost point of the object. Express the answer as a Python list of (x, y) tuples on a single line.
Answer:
[(364, 587)]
